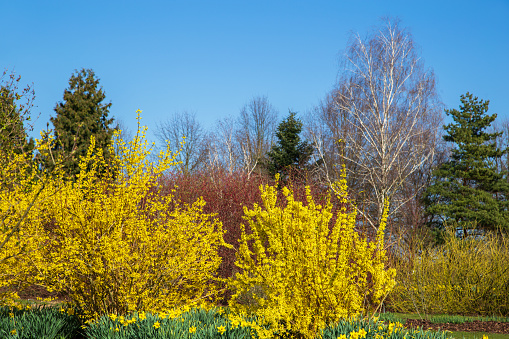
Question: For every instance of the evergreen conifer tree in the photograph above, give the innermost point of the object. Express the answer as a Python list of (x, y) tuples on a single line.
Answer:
[(289, 152), (81, 115), (468, 188)]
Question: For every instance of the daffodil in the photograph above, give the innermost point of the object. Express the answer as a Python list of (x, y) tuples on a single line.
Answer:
[(221, 329)]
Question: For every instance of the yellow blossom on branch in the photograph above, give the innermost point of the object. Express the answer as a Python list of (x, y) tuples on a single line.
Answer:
[(303, 271)]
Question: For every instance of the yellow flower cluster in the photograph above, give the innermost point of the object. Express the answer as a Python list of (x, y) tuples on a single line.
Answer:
[(355, 334), (109, 238), (394, 327), (22, 186), (301, 271)]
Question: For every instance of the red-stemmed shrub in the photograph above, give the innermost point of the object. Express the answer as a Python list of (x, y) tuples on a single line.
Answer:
[(226, 194)]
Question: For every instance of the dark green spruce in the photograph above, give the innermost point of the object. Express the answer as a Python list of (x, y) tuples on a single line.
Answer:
[(81, 115), (289, 153), (468, 187)]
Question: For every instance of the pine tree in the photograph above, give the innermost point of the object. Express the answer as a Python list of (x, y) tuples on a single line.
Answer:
[(289, 152), (468, 188), (81, 115)]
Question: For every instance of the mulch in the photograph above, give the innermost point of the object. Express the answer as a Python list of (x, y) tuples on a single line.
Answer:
[(469, 326)]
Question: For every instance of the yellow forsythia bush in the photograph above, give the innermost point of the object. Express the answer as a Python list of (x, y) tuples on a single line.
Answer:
[(302, 274), (21, 188), (115, 244)]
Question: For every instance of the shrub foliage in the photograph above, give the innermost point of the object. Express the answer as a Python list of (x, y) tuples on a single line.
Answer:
[(300, 272), (113, 243), (465, 275)]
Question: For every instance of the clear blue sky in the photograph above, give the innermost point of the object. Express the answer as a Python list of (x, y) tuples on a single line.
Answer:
[(211, 57)]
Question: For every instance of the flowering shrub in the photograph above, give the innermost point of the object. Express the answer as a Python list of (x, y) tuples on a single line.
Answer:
[(22, 186), (302, 273), (225, 196), (111, 242), (464, 275)]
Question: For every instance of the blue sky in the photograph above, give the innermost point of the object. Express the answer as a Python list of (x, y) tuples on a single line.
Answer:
[(211, 57)]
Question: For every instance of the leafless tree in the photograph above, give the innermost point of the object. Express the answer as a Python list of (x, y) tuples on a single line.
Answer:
[(257, 124), (502, 142), (185, 126), (385, 114), (224, 151), (326, 128)]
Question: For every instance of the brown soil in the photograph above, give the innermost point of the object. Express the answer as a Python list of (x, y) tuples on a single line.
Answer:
[(469, 326)]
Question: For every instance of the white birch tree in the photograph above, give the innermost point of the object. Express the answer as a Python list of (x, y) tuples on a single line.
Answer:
[(386, 111)]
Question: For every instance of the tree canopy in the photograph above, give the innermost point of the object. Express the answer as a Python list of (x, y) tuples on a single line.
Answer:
[(289, 152), (468, 188), (81, 115)]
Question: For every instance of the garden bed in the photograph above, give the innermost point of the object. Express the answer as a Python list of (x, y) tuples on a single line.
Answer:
[(468, 326)]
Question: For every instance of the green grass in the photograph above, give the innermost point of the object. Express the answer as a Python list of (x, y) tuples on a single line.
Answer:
[(477, 335), (438, 318)]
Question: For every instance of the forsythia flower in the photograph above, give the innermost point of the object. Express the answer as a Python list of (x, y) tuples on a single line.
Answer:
[(303, 270), (13, 332), (113, 231), (157, 324), (192, 329)]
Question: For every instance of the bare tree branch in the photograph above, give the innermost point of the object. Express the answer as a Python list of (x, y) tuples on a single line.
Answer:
[(185, 125), (255, 135), (386, 110)]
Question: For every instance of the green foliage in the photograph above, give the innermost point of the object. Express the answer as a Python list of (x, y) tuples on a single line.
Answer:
[(199, 323), (289, 151), (180, 323), (468, 187), (376, 329), (439, 318), (40, 322), (467, 275), (82, 115)]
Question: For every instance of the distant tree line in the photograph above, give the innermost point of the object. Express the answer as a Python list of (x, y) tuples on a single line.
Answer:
[(382, 121)]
